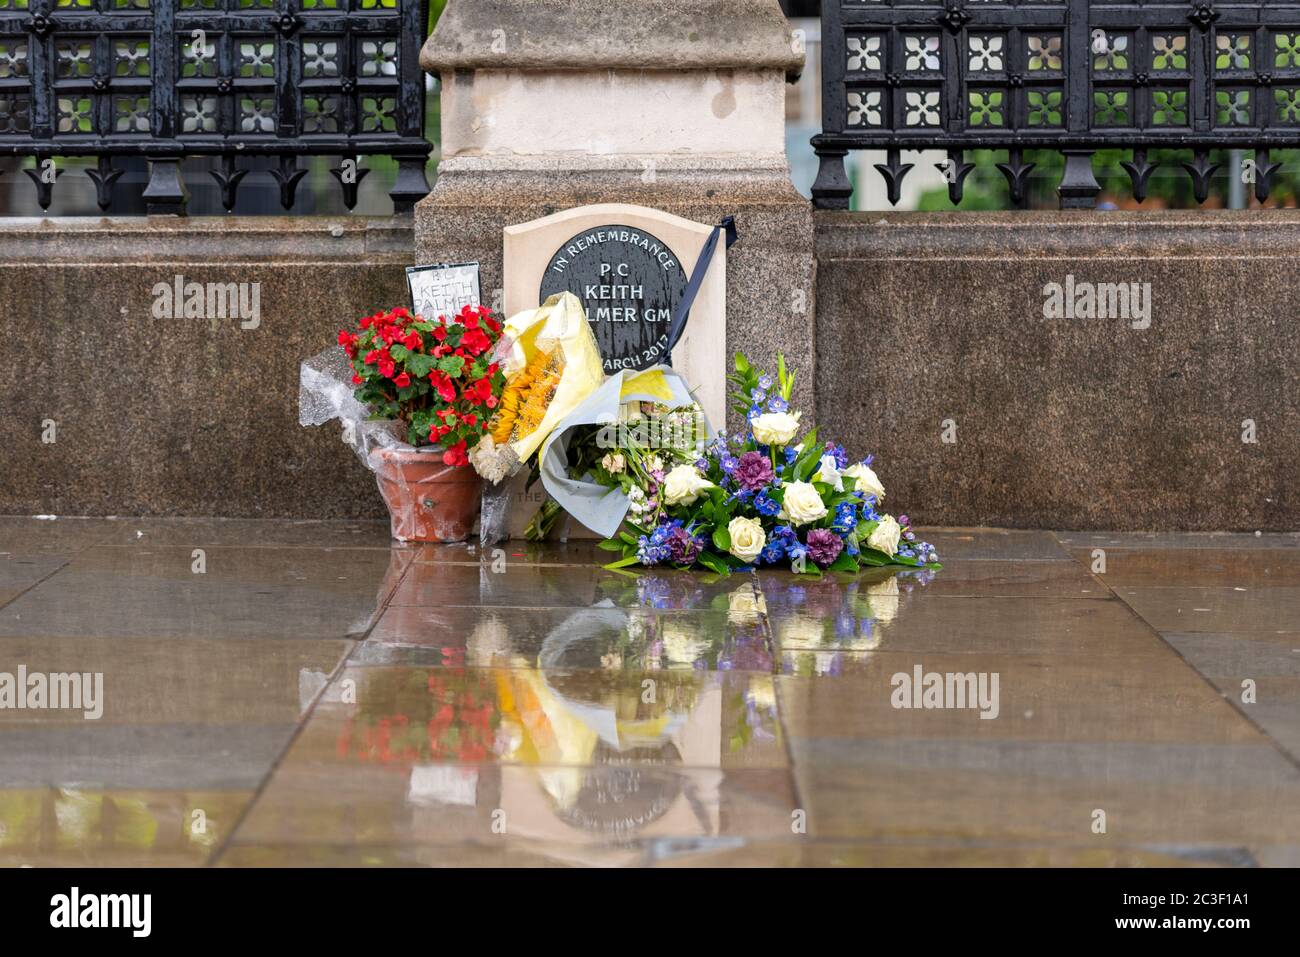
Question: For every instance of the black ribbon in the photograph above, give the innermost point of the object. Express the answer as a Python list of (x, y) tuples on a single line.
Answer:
[(683, 311)]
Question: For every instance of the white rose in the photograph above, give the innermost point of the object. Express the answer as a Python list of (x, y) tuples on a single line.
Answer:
[(882, 597), (683, 645), (613, 463), (865, 480), (747, 538), (829, 473), (775, 428), (802, 503), (760, 691), (802, 633), (684, 484), (884, 537), (744, 605)]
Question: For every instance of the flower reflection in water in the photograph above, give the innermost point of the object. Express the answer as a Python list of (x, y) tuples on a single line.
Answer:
[(618, 726), (833, 617)]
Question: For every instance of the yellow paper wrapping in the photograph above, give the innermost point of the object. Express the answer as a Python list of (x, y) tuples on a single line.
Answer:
[(553, 365)]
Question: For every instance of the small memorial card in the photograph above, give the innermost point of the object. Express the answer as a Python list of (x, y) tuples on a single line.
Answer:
[(442, 289)]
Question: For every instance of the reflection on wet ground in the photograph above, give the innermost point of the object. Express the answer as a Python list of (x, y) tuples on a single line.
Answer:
[(277, 693)]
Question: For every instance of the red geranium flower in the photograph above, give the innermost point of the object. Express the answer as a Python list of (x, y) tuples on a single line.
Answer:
[(453, 412), (479, 391), (476, 341), (456, 455), (442, 383)]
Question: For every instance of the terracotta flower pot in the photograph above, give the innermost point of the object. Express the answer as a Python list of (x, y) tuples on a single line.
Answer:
[(428, 500)]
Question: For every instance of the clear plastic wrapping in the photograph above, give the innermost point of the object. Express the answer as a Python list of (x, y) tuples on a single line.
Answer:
[(428, 500)]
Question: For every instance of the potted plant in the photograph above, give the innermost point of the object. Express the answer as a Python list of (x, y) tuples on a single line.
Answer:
[(438, 379)]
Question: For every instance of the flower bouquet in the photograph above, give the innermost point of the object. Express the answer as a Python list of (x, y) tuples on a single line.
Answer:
[(761, 497), (434, 385), (435, 376)]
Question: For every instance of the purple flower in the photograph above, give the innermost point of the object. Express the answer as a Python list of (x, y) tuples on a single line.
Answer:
[(753, 471), (824, 546), (682, 546)]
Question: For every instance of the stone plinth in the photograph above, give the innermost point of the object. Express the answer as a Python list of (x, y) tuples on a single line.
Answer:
[(932, 328), (673, 105)]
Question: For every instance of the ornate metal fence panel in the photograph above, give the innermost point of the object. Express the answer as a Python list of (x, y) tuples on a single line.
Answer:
[(1068, 75), (167, 79)]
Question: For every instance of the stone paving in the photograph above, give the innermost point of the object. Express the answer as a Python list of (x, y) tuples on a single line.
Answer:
[(279, 693)]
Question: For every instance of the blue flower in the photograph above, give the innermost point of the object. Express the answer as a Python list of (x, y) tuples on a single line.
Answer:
[(772, 553), (790, 454), (754, 412), (765, 381), (845, 518), (653, 549), (702, 464), (728, 463), (777, 404), (758, 396), (766, 505), (840, 453)]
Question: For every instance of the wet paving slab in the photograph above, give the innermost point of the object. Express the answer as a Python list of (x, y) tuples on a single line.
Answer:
[(1217, 609), (1179, 540), (162, 751), (221, 592), (599, 814), (20, 571), (1187, 798), (85, 827), (315, 697)]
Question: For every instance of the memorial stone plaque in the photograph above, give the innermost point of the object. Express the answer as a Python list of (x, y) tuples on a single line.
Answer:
[(629, 281), (629, 266)]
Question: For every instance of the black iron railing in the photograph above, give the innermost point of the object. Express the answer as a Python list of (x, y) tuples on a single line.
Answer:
[(167, 79), (1067, 75)]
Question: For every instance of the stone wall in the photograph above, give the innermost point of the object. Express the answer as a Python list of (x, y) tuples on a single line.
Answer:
[(181, 416), (926, 324), (934, 323)]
